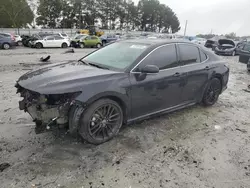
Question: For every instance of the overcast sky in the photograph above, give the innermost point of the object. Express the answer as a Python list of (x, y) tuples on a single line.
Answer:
[(220, 16)]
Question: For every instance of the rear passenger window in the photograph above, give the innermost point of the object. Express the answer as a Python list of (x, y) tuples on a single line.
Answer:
[(93, 38), (203, 56), (164, 57), (189, 54)]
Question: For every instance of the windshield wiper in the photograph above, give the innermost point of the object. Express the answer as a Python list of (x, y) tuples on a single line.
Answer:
[(98, 66), (84, 62)]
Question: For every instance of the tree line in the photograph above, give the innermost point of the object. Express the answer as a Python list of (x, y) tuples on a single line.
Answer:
[(148, 15)]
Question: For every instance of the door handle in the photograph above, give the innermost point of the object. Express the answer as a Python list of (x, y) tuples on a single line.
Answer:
[(177, 74), (207, 68)]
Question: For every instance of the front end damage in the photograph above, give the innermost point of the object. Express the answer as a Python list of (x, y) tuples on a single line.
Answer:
[(46, 110)]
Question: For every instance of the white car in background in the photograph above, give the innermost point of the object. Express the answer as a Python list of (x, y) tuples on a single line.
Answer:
[(200, 41), (18, 40), (51, 42)]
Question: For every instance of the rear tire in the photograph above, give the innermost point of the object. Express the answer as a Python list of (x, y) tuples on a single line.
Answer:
[(99, 45), (64, 45), (6, 46), (39, 45), (101, 121), (212, 92)]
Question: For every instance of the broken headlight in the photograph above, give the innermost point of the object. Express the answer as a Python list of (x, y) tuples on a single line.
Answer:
[(54, 99)]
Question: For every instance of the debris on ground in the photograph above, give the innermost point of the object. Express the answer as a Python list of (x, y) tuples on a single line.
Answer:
[(3, 166), (241, 130), (45, 59), (70, 51)]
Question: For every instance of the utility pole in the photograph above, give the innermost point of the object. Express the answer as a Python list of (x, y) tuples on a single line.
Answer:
[(185, 28)]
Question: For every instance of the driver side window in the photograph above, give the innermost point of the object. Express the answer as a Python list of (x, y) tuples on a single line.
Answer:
[(164, 57), (246, 47)]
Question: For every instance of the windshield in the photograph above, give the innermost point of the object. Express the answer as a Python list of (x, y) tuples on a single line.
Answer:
[(80, 36), (118, 56)]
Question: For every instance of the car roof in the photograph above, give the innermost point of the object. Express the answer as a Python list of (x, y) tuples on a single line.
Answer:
[(156, 42)]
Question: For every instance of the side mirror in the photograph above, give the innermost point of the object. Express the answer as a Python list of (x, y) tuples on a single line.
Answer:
[(150, 69)]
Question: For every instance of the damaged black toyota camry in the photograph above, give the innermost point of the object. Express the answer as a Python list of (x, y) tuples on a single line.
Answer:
[(123, 82)]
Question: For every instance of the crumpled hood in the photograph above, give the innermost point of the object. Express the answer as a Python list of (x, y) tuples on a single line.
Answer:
[(226, 42), (63, 77)]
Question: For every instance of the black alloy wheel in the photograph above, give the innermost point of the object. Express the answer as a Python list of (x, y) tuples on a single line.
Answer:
[(212, 92), (101, 121)]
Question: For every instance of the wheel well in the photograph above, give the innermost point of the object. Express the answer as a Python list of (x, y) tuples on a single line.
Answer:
[(64, 43), (6, 43), (39, 43), (120, 102)]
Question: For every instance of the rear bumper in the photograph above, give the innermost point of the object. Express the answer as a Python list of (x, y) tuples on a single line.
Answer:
[(222, 52)]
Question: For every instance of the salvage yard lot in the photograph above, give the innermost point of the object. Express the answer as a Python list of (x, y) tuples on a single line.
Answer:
[(191, 148)]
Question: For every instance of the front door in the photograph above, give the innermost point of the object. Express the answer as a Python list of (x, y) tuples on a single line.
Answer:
[(244, 54), (155, 92), (193, 62), (49, 41)]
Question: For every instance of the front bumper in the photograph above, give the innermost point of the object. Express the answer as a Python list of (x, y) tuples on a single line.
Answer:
[(74, 44), (43, 112)]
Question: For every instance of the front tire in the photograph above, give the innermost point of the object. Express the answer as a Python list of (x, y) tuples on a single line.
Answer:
[(212, 92), (101, 121), (39, 45), (82, 45)]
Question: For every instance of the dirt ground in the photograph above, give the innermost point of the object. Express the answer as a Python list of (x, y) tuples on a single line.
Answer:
[(192, 148)]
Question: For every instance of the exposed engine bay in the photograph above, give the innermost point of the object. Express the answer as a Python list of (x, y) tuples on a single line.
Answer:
[(224, 44), (46, 110)]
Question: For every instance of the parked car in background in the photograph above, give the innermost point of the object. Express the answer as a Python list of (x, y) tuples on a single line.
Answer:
[(26, 40), (18, 40), (126, 81), (225, 47), (200, 41), (91, 41), (108, 38), (244, 53), (75, 42), (6, 41), (239, 47), (51, 42), (213, 42)]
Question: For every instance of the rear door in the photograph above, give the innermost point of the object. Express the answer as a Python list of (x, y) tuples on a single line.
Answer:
[(193, 63), (244, 54), (94, 41), (58, 41)]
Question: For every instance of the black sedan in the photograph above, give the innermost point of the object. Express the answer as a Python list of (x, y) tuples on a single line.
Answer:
[(121, 83), (225, 47)]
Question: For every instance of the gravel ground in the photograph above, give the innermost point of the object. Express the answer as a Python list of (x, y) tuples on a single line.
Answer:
[(192, 148)]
